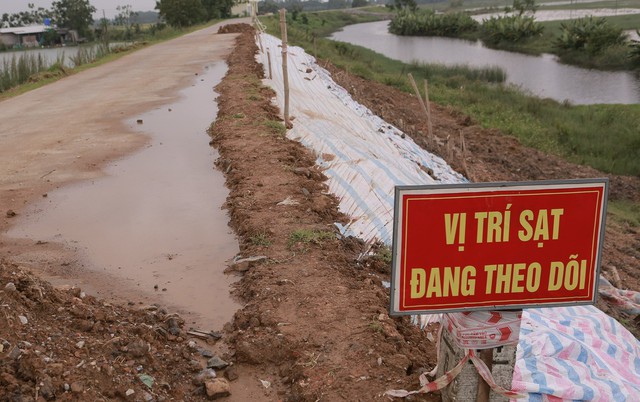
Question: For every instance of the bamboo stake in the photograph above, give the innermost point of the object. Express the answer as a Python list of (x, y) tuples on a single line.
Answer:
[(426, 99), (484, 391), (422, 105), (463, 152), (269, 58), (315, 46), (285, 74)]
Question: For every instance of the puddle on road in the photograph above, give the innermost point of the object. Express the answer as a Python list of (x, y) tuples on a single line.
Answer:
[(156, 219)]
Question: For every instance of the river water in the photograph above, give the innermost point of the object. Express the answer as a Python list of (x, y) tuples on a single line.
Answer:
[(50, 55), (542, 75)]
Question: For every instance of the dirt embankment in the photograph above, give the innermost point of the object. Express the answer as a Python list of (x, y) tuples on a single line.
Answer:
[(315, 323), (320, 310)]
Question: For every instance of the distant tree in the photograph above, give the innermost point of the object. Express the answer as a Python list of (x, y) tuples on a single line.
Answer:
[(23, 18), (74, 14), (523, 6), (125, 18), (295, 8), (400, 5), (359, 3), (268, 6), (146, 17), (336, 4), (182, 13), (218, 8)]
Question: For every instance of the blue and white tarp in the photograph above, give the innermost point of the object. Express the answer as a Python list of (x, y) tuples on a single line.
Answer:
[(576, 353), (563, 354)]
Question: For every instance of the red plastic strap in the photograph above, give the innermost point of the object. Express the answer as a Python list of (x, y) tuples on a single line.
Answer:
[(482, 330)]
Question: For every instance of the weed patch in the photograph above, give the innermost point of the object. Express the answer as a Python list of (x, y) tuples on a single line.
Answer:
[(261, 239), (309, 236)]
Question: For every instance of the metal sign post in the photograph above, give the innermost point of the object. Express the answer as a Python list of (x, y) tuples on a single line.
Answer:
[(479, 248), (497, 246)]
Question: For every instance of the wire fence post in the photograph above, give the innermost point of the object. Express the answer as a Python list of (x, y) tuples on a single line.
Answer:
[(285, 75), (422, 105)]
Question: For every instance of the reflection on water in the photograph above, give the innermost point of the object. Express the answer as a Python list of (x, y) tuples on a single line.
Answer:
[(542, 76), (51, 55), (156, 219)]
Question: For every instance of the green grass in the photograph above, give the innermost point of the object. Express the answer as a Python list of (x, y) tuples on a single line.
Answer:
[(384, 255), (320, 24), (625, 22), (261, 239), (623, 211), (275, 127), (310, 236), (599, 4), (377, 9), (605, 137)]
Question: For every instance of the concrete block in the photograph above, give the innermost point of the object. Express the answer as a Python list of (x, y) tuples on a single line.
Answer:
[(464, 387)]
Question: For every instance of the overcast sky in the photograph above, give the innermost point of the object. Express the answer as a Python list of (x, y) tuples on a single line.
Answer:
[(109, 6)]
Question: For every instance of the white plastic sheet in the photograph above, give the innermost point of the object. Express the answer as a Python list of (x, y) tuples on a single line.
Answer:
[(363, 156), (563, 353)]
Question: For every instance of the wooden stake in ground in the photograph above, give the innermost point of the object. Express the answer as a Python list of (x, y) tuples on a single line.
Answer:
[(426, 100), (463, 156), (269, 59), (484, 390), (285, 74), (422, 105), (315, 46)]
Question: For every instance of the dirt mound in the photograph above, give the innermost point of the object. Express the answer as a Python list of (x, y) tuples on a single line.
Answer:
[(235, 28), (316, 318), (64, 345)]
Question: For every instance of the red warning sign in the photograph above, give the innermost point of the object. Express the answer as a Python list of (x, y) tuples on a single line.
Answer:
[(497, 246)]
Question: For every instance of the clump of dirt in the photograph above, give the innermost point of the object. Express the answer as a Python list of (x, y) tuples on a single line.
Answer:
[(65, 345)]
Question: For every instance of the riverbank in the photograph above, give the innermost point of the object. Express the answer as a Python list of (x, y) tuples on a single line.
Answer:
[(582, 36), (571, 132)]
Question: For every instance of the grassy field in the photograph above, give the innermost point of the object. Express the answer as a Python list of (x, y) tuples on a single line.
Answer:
[(598, 4), (605, 137)]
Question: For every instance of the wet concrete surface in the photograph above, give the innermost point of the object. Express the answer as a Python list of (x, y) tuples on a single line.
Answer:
[(154, 223)]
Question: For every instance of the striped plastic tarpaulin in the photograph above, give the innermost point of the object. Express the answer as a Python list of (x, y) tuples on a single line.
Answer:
[(563, 353), (576, 353)]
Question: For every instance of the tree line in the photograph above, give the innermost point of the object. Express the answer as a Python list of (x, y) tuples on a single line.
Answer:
[(78, 14)]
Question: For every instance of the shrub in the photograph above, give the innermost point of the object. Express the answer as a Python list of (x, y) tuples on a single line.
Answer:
[(589, 34), (428, 23), (634, 52), (510, 29)]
